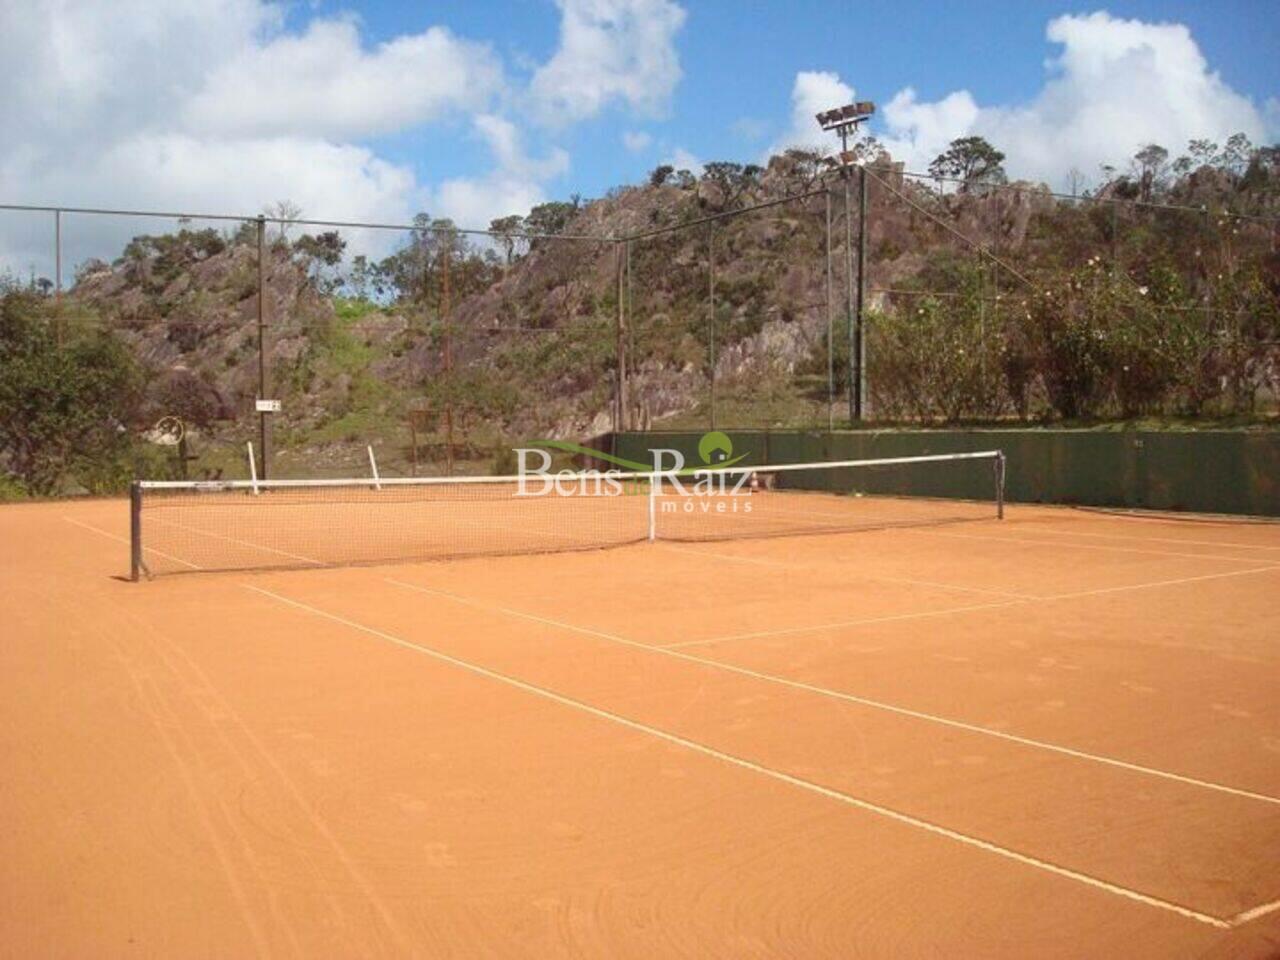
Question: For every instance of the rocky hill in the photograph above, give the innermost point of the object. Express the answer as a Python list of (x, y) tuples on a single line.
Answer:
[(516, 338)]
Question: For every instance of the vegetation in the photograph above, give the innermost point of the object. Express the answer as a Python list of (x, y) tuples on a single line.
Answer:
[(1155, 294), (68, 399), (971, 160)]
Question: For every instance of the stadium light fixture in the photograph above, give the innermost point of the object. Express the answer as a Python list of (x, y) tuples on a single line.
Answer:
[(844, 121)]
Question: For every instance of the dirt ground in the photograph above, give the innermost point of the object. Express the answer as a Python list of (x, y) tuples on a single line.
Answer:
[(1056, 735)]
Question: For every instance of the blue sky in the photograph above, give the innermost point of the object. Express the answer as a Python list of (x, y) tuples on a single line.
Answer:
[(739, 61), (378, 110)]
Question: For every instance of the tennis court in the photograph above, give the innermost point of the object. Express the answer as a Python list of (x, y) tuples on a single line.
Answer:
[(1052, 734)]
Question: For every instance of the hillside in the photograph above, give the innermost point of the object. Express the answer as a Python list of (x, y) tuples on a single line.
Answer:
[(985, 302)]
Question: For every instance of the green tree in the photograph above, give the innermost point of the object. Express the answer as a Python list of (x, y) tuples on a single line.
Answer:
[(551, 217), (65, 408), (320, 252), (972, 160), (1236, 154), (362, 277), (507, 231), (1149, 168), (661, 175)]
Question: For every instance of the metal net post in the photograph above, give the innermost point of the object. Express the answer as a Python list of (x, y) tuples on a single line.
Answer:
[(136, 566)]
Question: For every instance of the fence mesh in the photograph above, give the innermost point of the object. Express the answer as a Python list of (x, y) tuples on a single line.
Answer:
[(730, 301)]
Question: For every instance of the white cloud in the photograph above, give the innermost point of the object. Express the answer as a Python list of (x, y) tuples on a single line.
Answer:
[(921, 131), (80, 72), (137, 105), (636, 140), (513, 186), (610, 50), (190, 105), (682, 159), (322, 83), (221, 107), (749, 128), (812, 92), (1116, 85)]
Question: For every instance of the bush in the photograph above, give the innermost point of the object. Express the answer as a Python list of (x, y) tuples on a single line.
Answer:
[(66, 405), (933, 358)]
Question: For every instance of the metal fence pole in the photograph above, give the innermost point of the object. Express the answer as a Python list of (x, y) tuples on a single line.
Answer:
[(631, 329), (57, 271), (831, 341), (57, 253), (621, 336), (861, 333), (848, 304), (1000, 473), (711, 329), (446, 332), (264, 418)]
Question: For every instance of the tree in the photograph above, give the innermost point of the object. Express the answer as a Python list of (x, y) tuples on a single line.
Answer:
[(64, 407), (550, 218), (1203, 153), (661, 175), (1075, 181), (1237, 153), (1149, 166), (287, 212), (971, 160), (1263, 166), (318, 252), (806, 163), (507, 232), (362, 276)]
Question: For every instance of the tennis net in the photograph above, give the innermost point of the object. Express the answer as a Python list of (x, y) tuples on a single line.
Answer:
[(179, 526)]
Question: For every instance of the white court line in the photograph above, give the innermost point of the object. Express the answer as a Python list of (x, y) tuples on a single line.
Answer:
[(1016, 599), (243, 543), (859, 574), (1059, 545), (840, 624), (112, 536), (1160, 583), (1253, 913), (1180, 540), (840, 695), (778, 775)]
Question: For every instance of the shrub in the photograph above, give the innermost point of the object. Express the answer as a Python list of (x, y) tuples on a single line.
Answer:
[(66, 405)]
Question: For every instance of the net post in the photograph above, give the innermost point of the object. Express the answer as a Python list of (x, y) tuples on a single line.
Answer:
[(253, 470), (373, 465), (653, 511), (135, 531), (999, 485)]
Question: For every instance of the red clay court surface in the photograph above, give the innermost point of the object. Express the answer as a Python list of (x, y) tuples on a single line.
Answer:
[(1056, 735)]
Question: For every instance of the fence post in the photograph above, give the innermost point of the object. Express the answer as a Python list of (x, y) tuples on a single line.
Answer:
[(264, 422), (711, 320), (57, 274), (861, 340), (1000, 470), (851, 358), (620, 328), (57, 254), (831, 342)]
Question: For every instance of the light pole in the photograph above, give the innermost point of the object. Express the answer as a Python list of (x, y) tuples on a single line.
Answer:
[(844, 121)]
